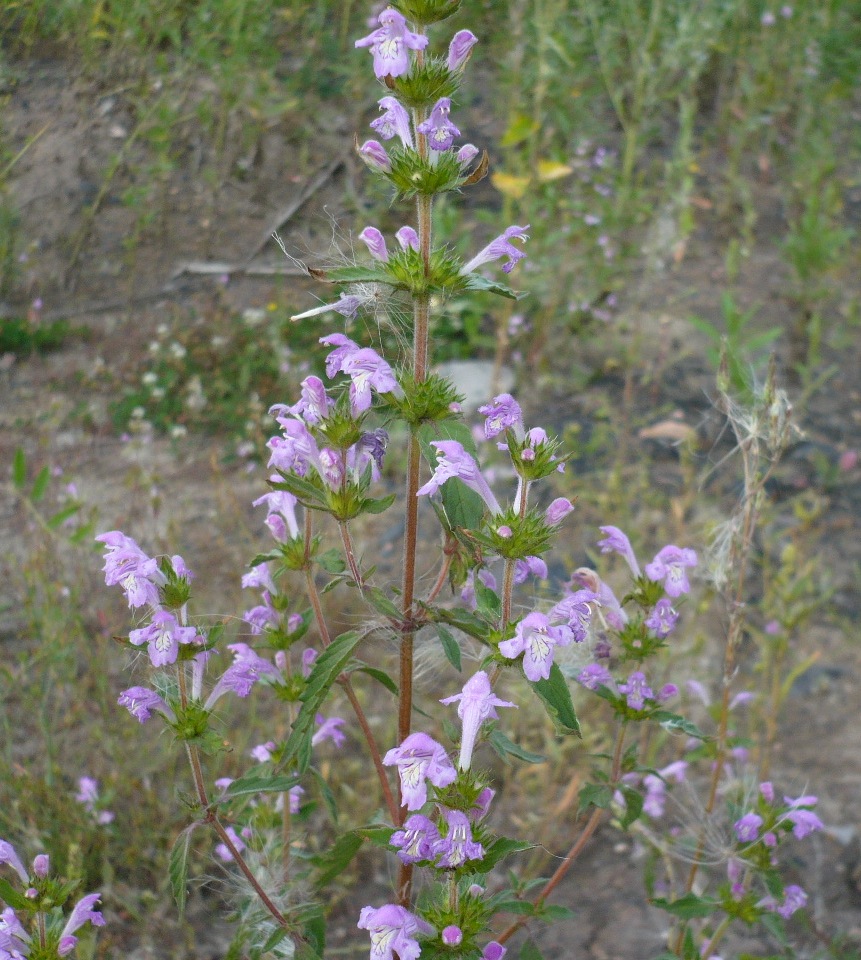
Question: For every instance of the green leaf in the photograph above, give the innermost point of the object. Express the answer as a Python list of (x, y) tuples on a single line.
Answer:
[(353, 275), (555, 911), (450, 647), (487, 601), (379, 675), (326, 794), (530, 952), (56, 519), (336, 859), (40, 484), (254, 785), (595, 795), (674, 723), (482, 284), (504, 747), (688, 907), (178, 868), (315, 932), (10, 896), (326, 670), (332, 561), (19, 470), (463, 507), (382, 604), (497, 850), (633, 806), (461, 619), (556, 697), (275, 938), (379, 505)]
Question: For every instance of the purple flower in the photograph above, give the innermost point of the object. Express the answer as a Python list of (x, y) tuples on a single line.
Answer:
[(88, 792), (263, 616), (467, 153), (457, 846), (127, 565), (419, 758), (656, 795), (262, 753), (576, 611), (662, 619), (459, 49), (417, 840), (494, 951), (467, 593), (346, 305), (295, 795), (389, 44), (329, 730), (452, 936), (500, 247), (281, 517), (747, 828), (314, 403), (557, 511), (529, 567), (8, 855), (536, 639), (501, 414), (611, 609), (766, 791), (375, 242), (594, 676), (222, 851), (616, 542), (477, 703), (794, 898), (407, 238), (296, 451), (365, 367), (393, 930), (81, 914), (439, 130), (636, 690), (804, 822), (163, 637), (259, 577), (454, 461), (246, 669), (375, 156), (479, 810), (41, 865), (140, 702), (669, 565), (394, 122)]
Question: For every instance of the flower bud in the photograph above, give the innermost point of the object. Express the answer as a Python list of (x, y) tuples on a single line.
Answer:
[(41, 864)]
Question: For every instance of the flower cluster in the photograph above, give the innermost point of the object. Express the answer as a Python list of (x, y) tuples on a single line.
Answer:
[(36, 928)]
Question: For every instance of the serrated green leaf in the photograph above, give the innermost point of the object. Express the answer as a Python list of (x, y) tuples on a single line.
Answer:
[(275, 938), (555, 911), (450, 647), (379, 675), (688, 907), (178, 867), (776, 927), (354, 275), (245, 786), (315, 932), (19, 468), (487, 601), (556, 697), (326, 670), (40, 484), (504, 746), (595, 795)]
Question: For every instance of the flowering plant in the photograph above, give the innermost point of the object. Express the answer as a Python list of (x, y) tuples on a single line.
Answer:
[(326, 464)]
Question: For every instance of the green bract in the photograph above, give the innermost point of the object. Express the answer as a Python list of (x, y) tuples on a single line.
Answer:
[(415, 176), (425, 83), (425, 401)]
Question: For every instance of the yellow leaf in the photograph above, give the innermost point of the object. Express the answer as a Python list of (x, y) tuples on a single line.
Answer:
[(551, 170), (511, 186)]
